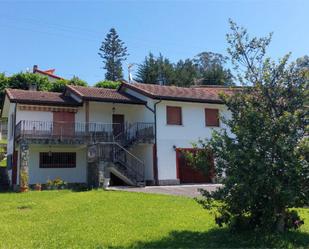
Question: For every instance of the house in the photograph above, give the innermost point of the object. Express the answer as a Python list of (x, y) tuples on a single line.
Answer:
[(134, 134), (49, 73)]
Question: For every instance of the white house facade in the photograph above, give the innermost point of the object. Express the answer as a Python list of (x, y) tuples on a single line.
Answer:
[(132, 135)]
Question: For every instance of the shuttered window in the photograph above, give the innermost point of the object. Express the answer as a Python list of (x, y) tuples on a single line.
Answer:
[(212, 117), (57, 160), (173, 115)]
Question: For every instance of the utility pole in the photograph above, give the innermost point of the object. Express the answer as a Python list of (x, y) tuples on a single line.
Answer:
[(129, 71)]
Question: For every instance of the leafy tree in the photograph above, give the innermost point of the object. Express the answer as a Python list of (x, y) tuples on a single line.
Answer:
[(25, 80), (113, 52), (210, 69), (76, 81), (3, 84), (265, 161), (303, 63), (59, 85), (108, 84)]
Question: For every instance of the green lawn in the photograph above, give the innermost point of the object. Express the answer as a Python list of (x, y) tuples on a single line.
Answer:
[(107, 219), (3, 141), (3, 163)]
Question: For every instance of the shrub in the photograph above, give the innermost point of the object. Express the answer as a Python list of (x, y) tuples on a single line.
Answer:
[(264, 152), (108, 84), (57, 183)]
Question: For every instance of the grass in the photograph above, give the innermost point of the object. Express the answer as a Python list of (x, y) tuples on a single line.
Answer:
[(3, 141), (108, 219), (3, 163)]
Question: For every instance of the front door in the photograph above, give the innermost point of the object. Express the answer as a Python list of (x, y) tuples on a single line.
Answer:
[(63, 124), (118, 124)]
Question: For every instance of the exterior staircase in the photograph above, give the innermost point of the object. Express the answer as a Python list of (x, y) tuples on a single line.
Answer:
[(121, 162)]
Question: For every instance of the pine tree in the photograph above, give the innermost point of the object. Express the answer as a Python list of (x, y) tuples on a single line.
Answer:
[(147, 72), (185, 73), (113, 51), (156, 70)]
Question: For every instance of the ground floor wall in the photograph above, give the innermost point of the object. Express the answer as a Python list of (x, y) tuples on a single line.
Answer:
[(70, 175), (170, 164), (78, 174), (167, 164), (145, 153)]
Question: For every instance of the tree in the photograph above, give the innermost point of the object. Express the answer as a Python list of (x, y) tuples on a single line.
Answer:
[(148, 71), (210, 69), (60, 85), (76, 81), (156, 70), (25, 80), (113, 52), (185, 73), (3, 84), (206, 68), (265, 161), (108, 84), (303, 62)]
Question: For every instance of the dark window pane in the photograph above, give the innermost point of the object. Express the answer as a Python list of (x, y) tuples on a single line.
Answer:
[(57, 160)]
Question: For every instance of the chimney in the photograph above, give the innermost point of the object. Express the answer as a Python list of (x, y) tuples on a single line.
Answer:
[(35, 67), (32, 87)]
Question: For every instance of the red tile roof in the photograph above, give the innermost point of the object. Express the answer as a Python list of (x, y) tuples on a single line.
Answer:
[(204, 94), (49, 73), (39, 97), (103, 94)]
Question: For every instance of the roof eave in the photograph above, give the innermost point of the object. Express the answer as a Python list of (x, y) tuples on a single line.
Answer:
[(113, 100), (36, 102), (145, 93), (210, 101)]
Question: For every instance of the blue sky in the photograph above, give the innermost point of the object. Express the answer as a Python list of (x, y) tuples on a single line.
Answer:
[(66, 35)]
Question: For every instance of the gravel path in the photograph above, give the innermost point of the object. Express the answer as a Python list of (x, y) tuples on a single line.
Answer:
[(182, 190)]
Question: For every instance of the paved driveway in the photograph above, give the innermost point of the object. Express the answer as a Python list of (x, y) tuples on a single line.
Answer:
[(182, 190)]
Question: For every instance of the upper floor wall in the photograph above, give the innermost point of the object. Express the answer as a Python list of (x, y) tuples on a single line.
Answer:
[(193, 121)]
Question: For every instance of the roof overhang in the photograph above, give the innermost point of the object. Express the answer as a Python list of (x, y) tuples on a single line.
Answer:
[(181, 99), (133, 100)]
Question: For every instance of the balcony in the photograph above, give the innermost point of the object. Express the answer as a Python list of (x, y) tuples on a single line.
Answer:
[(83, 133)]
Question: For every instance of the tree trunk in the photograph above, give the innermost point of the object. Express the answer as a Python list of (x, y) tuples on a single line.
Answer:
[(280, 227)]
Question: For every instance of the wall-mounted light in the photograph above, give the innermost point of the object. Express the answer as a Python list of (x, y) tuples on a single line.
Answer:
[(114, 109), (174, 147)]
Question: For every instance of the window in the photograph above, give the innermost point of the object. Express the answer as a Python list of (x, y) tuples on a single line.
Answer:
[(212, 117), (173, 115), (57, 160)]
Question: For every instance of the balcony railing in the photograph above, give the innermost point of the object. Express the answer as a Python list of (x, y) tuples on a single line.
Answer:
[(98, 132)]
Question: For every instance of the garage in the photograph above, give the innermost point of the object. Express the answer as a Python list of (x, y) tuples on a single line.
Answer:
[(186, 173)]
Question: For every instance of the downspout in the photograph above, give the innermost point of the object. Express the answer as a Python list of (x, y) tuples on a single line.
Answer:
[(155, 166), (18, 157)]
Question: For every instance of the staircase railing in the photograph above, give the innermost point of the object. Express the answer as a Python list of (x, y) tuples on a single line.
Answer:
[(136, 132), (125, 162)]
